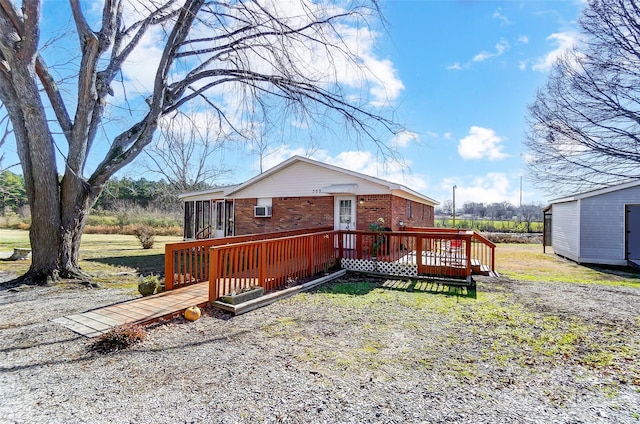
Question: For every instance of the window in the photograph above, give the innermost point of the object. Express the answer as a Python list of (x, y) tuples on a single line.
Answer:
[(345, 211), (408, 208), (263, 207)]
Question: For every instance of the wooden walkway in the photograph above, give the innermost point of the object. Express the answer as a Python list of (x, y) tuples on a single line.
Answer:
[(137, 311)]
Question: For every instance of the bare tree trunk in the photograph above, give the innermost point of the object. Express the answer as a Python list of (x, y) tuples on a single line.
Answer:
[(34, 144), (76, 200)]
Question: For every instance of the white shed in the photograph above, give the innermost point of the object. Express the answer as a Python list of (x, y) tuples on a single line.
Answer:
[(600, 226)]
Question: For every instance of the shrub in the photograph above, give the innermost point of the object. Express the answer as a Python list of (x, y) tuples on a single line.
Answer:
[(149, 285), (146, 235), (120, 337)]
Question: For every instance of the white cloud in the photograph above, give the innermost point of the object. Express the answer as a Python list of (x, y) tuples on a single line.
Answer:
[(491, 188), (498, 15), (523, 39), (522, 65), (403, 139), (455, 67), (481, 143), (360, 161), (563, 42), (501, 47), (369, 76)]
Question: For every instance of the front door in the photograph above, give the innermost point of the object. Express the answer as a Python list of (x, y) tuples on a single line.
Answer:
[(345, 218), (633, 232)]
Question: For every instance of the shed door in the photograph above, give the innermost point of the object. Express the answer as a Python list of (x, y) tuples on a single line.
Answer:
[(633, 232)]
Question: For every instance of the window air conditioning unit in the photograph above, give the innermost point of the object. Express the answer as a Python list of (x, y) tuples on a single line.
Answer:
[(262, 211)]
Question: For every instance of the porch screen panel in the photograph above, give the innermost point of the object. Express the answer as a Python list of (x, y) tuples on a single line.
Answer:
[(219, 216), (203, 216), (188, 220)]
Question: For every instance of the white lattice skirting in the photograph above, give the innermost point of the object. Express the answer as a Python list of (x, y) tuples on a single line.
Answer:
[(391, 268)]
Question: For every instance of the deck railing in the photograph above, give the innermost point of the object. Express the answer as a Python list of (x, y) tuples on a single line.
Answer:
[(276, 260), (271, 264), (481, 254), (449, 253), (187, 262)]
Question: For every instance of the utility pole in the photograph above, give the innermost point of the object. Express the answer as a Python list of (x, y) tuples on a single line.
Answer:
[(454, 206), (520, 198)]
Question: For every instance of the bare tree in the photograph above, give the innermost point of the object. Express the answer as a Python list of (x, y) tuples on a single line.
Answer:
[(584, 126), (531, 213), (5, 132), (187, 151), (255, 52)]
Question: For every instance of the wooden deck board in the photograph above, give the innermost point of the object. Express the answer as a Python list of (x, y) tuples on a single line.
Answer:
[(139, 311)]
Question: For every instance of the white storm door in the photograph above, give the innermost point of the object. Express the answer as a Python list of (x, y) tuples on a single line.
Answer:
[(345, 218)]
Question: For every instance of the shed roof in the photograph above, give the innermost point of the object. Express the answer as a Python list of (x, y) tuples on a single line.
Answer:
[(597, 192)]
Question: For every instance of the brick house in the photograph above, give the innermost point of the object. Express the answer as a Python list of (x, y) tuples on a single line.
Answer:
[(301, 193)]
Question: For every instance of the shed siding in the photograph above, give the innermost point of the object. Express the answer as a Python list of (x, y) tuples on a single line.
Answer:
[(603, 226), (303, 179), (565, 229)]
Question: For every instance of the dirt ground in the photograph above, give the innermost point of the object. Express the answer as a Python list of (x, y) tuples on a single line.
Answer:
[(379, 351)]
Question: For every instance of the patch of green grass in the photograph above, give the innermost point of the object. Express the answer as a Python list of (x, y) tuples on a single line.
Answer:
[(527, 262), (115, 260)]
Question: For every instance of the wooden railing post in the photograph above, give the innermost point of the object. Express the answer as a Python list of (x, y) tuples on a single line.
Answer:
[(169, 257), (310, 243), (262, 267), (468, 255), (419, 240), (213, 275), (493, 258)]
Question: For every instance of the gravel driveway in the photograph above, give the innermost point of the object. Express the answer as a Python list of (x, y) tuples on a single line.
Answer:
[(327, 357)]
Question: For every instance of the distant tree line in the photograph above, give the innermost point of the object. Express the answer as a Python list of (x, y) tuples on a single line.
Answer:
[(497, 211), (118, 194)]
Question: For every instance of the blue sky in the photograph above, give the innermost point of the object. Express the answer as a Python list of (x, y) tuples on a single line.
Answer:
[(468, 71), (457, 74)]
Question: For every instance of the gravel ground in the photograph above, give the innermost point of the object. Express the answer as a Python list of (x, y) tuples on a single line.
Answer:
[(322, 357)]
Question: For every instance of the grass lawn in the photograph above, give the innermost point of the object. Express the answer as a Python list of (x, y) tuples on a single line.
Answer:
[(116, 259), (528, 262), (509, 334)]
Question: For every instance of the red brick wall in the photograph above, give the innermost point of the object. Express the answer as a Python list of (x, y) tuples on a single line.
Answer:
[(292, 213), (288, 213), (421, 215), (373, 207)]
